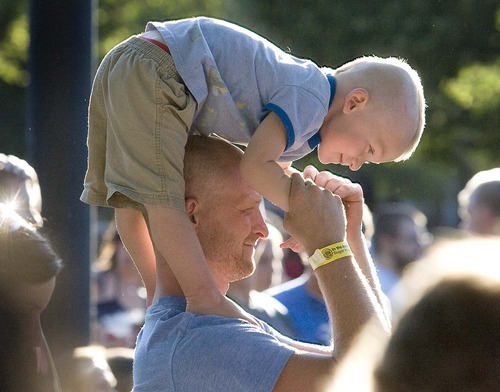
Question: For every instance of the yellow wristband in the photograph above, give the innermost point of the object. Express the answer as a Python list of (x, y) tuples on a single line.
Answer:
[(329, 253)]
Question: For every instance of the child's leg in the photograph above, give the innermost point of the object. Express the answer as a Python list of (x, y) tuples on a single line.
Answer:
[(134, 234), (175, 239)]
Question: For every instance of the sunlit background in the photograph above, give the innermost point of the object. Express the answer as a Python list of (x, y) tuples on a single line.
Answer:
[(454, 45)]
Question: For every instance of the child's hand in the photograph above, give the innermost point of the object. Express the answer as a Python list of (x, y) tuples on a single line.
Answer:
[(350, 193), (293, 244), (223, 306)]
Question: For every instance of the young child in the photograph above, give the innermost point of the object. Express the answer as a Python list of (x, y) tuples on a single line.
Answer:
[(203, 75)]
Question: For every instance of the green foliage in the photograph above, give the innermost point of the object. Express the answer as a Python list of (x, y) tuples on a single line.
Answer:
[(119, 19), (476, 88), (454, 45), (13, 52)]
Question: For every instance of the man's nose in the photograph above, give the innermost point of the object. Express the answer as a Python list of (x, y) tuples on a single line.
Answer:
[(259, 226)]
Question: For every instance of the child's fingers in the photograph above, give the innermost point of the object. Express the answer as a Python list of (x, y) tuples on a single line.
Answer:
[(310, 172), (293, 244), (340, 186), (349, 192), (329, 181)]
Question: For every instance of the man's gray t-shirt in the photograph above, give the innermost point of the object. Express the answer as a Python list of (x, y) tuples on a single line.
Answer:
[(237, 77), (180, 351)]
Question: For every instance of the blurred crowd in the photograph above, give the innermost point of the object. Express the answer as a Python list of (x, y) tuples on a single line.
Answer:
[(436, 300)]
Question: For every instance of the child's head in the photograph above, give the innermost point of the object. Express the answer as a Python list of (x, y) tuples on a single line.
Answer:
[(378, 114)]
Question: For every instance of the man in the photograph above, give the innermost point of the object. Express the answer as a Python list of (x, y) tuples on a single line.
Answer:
[(399, 238), (181, 351), (479, 203)]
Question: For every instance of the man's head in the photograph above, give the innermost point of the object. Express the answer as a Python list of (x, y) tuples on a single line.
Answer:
[(400, 234), (379, 115), (479, 203), (222, 207)]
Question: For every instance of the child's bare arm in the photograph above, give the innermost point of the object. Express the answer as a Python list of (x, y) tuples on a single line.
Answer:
[(134, 234), (259, 164)]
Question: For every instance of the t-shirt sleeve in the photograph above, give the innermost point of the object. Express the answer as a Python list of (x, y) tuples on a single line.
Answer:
[(302, 113), (229, 355)]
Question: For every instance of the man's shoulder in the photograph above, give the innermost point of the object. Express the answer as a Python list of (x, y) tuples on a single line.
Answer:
[(168, 315), (191, 333), (182, 346)]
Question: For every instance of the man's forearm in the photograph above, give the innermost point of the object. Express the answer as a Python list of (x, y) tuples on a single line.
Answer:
[(359, 247), (350, 301), (316, 220)]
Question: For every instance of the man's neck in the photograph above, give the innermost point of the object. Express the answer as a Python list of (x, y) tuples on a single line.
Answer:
[(239, 291)]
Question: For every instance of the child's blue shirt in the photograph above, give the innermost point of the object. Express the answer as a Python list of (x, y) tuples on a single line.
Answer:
[(237, 77)]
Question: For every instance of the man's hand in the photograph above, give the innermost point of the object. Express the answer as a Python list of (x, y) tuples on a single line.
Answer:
[(316, 217), (350, 193)]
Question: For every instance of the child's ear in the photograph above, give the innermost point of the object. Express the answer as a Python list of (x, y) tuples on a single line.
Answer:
[(355, 99), (192, 206)]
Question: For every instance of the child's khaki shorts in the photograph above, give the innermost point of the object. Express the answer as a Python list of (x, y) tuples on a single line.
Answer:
[(139, 116)]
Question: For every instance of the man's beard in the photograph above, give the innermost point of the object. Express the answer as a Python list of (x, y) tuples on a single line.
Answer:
[(225, 256)]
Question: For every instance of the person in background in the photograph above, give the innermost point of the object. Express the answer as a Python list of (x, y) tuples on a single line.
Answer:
[(446, 334), (119, 293), (20, 189), (400, 237), (479, 203), (121, 362), (306, 308), (28, 269), (85, 369)]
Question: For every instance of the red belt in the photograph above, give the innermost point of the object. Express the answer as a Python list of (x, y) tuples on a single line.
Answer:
[(158, 43)]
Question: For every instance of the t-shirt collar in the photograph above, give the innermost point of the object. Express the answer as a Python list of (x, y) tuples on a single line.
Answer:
[(315, 139)]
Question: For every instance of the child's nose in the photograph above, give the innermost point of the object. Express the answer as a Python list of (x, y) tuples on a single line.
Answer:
[(355, 164)]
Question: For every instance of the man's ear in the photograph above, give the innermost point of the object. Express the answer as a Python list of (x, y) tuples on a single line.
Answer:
[(192, 206), (355, 99)]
